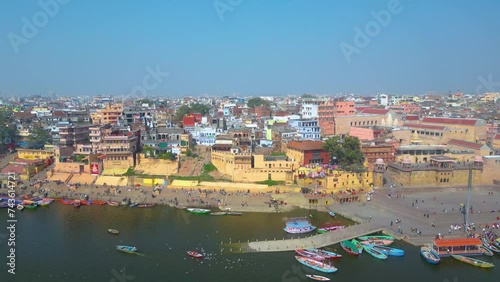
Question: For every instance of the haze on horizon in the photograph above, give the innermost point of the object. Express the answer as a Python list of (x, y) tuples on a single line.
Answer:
[(214, 47)]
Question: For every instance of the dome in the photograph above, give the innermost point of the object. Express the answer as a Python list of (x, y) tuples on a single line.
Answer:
[(407, 160), (379, 161), (478, 159)]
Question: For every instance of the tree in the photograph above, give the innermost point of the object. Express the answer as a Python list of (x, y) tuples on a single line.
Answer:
[(195, 108), (308, 96), (8, 129), (39, 137), (347, 151), (255, 102)]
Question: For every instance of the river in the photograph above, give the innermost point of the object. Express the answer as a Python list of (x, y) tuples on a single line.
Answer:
[(63, 243)]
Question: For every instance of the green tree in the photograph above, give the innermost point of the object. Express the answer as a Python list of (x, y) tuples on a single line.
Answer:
[(255, 102), (8, 129), (347, 151), (195, 108), (308, 96), (148, 151), (39, 137)]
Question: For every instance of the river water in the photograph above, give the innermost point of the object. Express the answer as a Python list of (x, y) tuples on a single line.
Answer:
[(63, 243)]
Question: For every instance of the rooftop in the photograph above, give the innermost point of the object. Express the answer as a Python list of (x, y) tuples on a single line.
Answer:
[(454, 121), (457, 242), (465, 144), (306, 145)]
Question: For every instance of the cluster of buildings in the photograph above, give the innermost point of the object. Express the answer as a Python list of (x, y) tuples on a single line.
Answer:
[(430, 140)]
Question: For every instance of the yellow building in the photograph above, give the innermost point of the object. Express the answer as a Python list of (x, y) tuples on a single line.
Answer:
[(443, 171), (246, 167), (110, 115), (490, 97), (31, 154)]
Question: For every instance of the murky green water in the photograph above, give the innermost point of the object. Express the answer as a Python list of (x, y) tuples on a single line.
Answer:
[(62, 243)]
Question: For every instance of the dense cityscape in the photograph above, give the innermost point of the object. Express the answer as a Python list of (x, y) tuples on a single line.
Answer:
[(232, 140)]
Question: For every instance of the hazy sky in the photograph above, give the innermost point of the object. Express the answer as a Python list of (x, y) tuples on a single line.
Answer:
[(248, 47)]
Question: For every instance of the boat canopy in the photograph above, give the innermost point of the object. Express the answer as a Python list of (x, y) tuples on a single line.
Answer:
[(457, 242)]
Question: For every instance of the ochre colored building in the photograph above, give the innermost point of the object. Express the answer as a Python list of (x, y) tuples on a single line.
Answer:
[(247, 167)]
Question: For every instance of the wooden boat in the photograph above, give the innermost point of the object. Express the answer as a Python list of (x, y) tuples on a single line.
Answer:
[(194, 254), (31, 206), (381, 237), (358, 245), (317, 277), (485, 251), (198, 211), (490, 246), (389, 251), (218, 213), (319, 266), (297, 225), (133, 205), (235, 213), (349, 247), (332, 214), (374, 252), (473, 261), (113, 231), (330, 227), (98, 202), (324, 253), (113, 204), (377, 242), (86, 202), (310, 255), (430, 255), (146, 205), (126, 249), (66, 201)]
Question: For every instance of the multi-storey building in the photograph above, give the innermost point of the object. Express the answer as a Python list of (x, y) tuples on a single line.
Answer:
[(308, 152), (109, 115), (71, 134), (307, 129)]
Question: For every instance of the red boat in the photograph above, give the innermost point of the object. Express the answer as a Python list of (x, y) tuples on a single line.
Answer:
[(310, 255), (194, 254), (98, 202), (66, 201)]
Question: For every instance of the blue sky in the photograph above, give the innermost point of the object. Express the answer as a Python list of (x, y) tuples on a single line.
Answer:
[(258, 47)]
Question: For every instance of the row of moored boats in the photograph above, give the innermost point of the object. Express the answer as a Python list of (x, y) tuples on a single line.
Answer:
[(320, 260)]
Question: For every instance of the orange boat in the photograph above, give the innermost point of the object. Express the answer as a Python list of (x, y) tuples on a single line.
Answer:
[(66, 201)]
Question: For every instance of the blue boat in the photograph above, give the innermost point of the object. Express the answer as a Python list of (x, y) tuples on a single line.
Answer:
[(298, 225), (133, 205), (389, 251), (126, 249), (430, 255), (375, 253), (319, 266), (332, 214)]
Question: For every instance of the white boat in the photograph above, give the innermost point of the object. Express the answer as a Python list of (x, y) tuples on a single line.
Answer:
[(317, 277)]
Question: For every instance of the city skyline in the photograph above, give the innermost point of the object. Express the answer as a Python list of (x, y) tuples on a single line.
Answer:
[(248, 48)]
